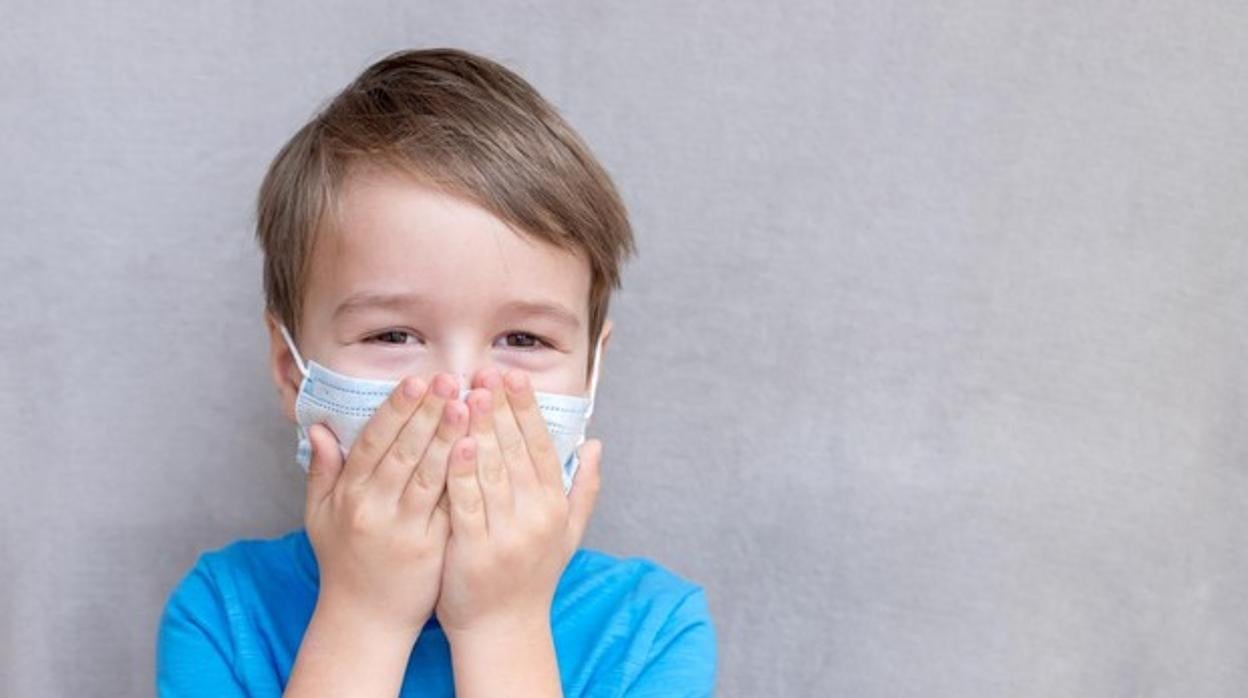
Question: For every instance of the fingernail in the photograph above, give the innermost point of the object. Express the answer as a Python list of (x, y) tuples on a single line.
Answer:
[(443, 386), (484, 400)]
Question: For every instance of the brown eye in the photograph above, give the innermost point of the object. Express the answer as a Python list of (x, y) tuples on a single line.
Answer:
[(391, 337), (524, 340)]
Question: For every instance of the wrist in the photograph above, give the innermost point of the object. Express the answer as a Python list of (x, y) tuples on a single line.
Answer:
[(514, 657), (347, 652), (358, 620), (495, 630)]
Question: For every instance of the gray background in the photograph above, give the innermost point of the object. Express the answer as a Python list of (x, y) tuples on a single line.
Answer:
[(930, 368)]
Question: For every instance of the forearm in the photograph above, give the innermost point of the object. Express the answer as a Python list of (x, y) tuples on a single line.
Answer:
[(517, 662), (343, 655)]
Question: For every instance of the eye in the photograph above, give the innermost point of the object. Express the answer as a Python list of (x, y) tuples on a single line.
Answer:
[(390, 337), (526, 341)]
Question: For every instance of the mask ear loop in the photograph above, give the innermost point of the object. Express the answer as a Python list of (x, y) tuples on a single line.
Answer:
[(290, 343), (593, 381)]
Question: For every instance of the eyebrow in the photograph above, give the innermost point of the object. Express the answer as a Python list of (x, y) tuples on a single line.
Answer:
[(549, 309), (365, 300)]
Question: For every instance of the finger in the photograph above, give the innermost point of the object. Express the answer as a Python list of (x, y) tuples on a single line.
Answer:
[(324, 466), (439, 527), (528, 415), (426, 488), (381, 429), (390, 476), (463, 491), (585, 486), (491, 472), (515, 452)]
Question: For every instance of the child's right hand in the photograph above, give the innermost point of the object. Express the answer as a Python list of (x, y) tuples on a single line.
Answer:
[(375, 522)]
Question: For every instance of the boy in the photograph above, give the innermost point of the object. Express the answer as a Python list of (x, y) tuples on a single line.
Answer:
[(434, 211)]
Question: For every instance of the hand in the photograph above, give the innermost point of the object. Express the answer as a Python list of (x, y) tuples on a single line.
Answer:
[(512, 528), (375, 523)]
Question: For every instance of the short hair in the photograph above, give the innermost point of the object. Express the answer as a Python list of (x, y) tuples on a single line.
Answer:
[(465, 125)]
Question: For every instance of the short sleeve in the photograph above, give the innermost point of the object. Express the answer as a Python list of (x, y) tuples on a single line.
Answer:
[(193, 647), (682, 661)]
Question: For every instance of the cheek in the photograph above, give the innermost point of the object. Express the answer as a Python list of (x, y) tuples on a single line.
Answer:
[(549, 371), (376, 361), (565, 378)]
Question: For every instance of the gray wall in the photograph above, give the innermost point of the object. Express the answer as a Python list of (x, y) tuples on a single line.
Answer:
[(930, 369)]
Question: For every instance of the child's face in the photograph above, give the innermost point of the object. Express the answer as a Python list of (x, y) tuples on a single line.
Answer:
[(417, 282)]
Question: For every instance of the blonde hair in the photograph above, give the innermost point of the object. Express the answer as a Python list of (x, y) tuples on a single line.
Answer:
[(466, 125)]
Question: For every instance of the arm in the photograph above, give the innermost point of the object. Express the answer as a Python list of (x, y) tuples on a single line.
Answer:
[(513, 532), (379, 538), (342, 654), (514, 661)]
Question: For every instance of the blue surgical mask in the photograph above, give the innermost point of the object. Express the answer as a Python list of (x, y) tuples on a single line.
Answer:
[(345, 404)]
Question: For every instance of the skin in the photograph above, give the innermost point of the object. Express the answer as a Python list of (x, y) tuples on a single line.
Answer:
[(440, 504)]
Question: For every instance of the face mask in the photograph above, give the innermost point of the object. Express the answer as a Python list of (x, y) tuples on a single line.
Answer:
[(345, 404)]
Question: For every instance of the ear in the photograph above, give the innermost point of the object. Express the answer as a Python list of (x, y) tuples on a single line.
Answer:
[(606, 333), (606, 339), (282, 367)]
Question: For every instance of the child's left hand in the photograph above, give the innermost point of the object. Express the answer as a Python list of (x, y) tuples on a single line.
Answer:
[(513, 530)]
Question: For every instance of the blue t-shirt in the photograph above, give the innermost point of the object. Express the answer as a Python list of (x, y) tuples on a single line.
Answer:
[(622, 627)]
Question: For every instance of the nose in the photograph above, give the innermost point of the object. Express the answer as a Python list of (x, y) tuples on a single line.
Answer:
[(462, 360), (464, 382)]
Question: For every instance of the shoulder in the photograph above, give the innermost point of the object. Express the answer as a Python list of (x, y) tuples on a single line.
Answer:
[(245, 567), (228, 585), (636, 580), (662, 620), (250, 565), (279, 554), (211, 629)]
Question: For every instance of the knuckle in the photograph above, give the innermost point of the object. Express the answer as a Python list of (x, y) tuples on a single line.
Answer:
[(421, 479), (514, 450), (359, 519), (368, 442), (543, 449), (468, 504), (559, 513), (554, 521), (544, 520), (493, 473), (406, 451), (510, 551), (342, 498)]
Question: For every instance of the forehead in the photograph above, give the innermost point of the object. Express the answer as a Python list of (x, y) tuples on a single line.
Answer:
[(393, 234)]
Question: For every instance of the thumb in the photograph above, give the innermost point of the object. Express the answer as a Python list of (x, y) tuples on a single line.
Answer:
[(585, 486), (324, 465)]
